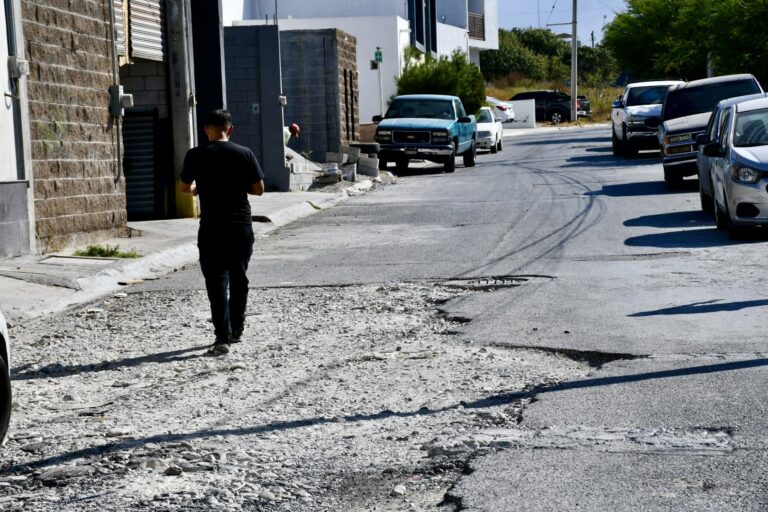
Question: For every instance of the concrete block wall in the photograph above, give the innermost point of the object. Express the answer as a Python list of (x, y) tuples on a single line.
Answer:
[(147, 80), (74, 149), (315, 64)]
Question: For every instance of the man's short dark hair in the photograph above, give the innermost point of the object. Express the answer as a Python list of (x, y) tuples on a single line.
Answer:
[(220, 118)]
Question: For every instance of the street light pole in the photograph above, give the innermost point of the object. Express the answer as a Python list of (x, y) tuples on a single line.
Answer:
[(574, 67)]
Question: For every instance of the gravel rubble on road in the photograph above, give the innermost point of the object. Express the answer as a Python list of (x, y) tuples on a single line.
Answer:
[(339, 398)]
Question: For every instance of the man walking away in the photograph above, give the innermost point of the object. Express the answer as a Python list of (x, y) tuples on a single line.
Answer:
[(222, 174)]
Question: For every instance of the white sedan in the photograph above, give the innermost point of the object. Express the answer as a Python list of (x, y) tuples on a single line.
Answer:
[(502, 109), (5, 377), (489, 130)]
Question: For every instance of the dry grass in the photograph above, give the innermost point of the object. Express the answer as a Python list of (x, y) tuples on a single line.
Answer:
[(600, 97)]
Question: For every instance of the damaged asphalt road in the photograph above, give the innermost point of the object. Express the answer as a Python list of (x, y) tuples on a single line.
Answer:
[(549, 330)]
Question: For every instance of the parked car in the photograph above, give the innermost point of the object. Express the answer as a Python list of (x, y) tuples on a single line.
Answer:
[(636, 115), (739, 163), (489, 130), (713, 135), (554, 106), (685, 114), (503, 110), (5, 377), (429, 127)]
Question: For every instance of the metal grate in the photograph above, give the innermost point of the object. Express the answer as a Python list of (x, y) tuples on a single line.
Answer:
[(411, 137), (476, 26)]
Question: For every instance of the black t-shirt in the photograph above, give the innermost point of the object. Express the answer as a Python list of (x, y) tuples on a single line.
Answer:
[(223, 172)]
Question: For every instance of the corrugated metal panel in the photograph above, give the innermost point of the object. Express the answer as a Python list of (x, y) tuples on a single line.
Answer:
[(120, 27), (147, 29), (139, 165)]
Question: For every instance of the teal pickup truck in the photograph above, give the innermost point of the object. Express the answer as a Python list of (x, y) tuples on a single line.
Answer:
[(426, 127)]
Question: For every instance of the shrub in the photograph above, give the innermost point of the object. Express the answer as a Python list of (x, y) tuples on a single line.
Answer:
[(455, 76)]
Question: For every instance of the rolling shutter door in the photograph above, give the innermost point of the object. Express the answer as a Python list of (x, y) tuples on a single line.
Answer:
[(147, 22), (139, 164)]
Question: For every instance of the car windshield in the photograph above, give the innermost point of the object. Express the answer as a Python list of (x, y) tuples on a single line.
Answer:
[(750, 129), (651, 95), (429, 109), (484, 117), (695, 100)]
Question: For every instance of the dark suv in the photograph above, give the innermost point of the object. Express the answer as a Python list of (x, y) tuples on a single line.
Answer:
[(685, 115), (554, 106)]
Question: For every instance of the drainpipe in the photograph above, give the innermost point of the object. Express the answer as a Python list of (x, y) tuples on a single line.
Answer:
[(115, 119)]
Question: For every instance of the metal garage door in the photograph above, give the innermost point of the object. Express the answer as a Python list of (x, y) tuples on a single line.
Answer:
[(139, 163)]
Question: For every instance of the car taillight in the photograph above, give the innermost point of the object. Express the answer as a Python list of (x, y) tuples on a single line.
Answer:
[(501, 107)]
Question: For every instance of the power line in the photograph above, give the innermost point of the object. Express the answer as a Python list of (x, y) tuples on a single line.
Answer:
[(550, 12)]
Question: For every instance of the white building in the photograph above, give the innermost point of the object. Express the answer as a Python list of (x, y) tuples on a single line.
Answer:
[(438, 27)]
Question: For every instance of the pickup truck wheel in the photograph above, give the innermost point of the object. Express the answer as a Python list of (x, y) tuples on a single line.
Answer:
[(556, 116), (628, 148), (469, 156), (5, 398), (383, 164), (450, 163), (401, 164), (616, 144), (673, 180)]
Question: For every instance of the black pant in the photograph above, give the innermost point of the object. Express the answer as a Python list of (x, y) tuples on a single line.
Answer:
[(224, 257)]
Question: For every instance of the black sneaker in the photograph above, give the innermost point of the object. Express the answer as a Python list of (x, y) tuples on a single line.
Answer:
[(236, 337), (219, 348)]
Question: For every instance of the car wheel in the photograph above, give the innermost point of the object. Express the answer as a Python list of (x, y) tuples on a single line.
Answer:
[(383, 164), (5, 399), (720, 215), (556, 116), (499, 145), (673, 180), (401, 164), (495, 147), (469, 156), (707, 204)]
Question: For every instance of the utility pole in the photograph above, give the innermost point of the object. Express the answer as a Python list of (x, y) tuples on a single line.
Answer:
[(574, 67)]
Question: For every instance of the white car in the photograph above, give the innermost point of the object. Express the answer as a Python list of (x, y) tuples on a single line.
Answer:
[(489, 130), (636, 115), (502, 109), (5, 377)]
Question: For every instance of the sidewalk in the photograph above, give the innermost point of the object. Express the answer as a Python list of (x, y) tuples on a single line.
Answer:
[(36, 285)]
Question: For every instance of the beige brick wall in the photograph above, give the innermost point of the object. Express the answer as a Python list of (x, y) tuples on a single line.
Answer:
[(74, 147)]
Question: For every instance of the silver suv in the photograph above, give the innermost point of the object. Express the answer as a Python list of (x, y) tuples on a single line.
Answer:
[(636, 115)]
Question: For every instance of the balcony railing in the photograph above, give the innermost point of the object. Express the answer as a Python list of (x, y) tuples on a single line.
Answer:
[(476, 26)]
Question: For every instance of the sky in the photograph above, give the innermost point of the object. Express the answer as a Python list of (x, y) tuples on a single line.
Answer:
[(591, 15)]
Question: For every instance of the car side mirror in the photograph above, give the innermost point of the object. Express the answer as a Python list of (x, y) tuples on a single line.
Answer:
[(653, 122), (713, 149), (377, 118), (617, 104), (465, 119), (702, 139)]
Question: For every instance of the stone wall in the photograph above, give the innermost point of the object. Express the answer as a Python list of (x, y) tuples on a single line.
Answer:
[(74, 146)]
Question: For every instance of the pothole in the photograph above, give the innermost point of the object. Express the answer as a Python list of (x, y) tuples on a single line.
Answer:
[(492, 282)]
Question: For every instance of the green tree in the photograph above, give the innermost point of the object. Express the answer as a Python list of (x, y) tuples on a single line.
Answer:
[(682, 38), (455, 76)]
